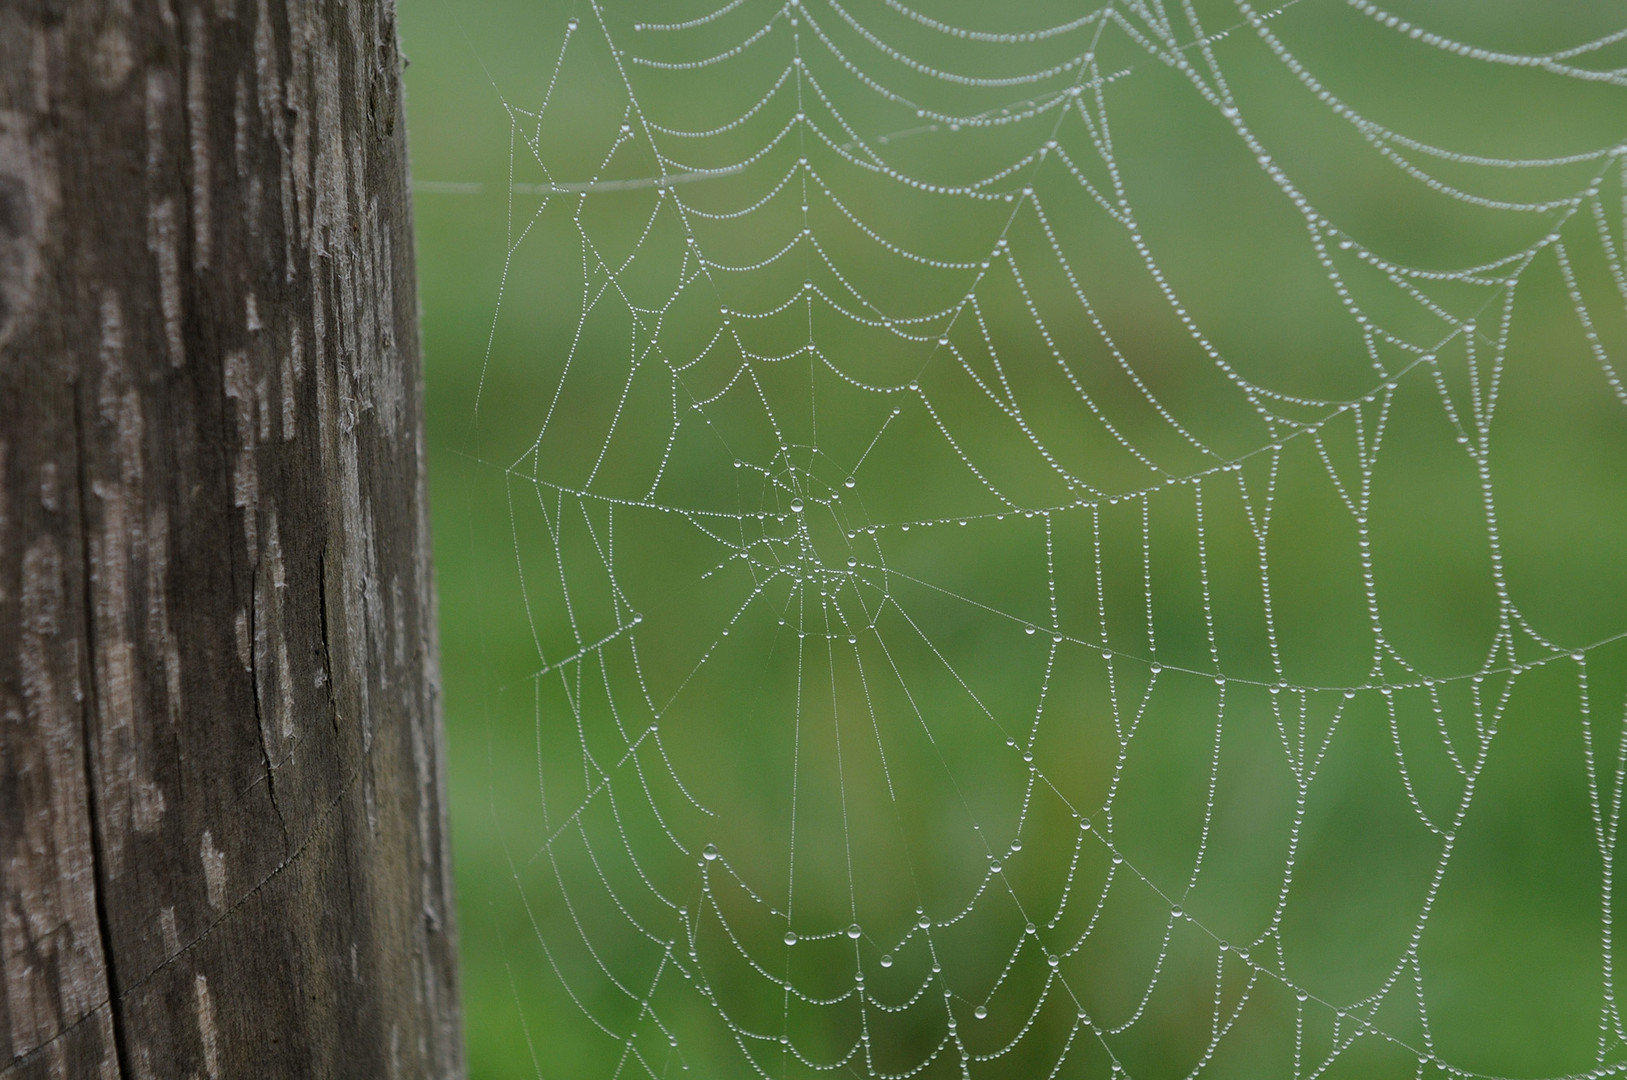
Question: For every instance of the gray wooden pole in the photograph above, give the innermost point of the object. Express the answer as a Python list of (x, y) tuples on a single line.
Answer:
[(223, 845)]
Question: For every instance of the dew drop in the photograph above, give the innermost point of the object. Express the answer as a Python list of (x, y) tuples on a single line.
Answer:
[(924, 923), (849, 482), (790, 937), (1028, 629), (854, 931), (1030, 929), (709, 852), (887, 960), (571, 24), (851, 563), (1303, 996), (1177, 911), (980, 1012), (796, 506), (1054, 960)]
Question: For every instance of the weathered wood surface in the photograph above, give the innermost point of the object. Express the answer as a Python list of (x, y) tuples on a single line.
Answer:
[(223, 848)]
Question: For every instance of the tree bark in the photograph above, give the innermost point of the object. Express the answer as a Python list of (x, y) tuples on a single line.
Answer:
[(223, 844)]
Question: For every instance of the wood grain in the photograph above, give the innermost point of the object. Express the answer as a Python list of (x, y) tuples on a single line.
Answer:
[(223, 843)]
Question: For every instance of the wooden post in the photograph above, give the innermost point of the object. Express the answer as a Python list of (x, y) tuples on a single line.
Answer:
[(223, 845)]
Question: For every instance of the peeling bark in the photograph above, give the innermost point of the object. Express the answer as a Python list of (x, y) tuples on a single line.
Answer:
[(223, 843)]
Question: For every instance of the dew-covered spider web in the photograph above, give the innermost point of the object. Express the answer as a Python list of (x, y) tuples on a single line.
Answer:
[(1061, 539)]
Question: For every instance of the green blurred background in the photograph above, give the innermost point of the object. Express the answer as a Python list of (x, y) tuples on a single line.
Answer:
[(1512, 967)]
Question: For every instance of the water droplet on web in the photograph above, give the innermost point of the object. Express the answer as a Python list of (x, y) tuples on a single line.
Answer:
[(571, 24), (790, 937), (796, 506), (851, 563), (886, 960), (1177, 911), (1303, 996), (1030, 929), (854, 931), (1028, 629), (1054, 960), (924, 923), (981, 1013), (709, 852), (849, 482)]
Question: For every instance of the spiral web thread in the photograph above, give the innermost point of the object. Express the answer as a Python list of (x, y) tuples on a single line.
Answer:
[(922, 450)]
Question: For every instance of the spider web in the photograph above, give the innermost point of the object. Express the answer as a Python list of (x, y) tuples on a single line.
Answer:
[(1063, 541)]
